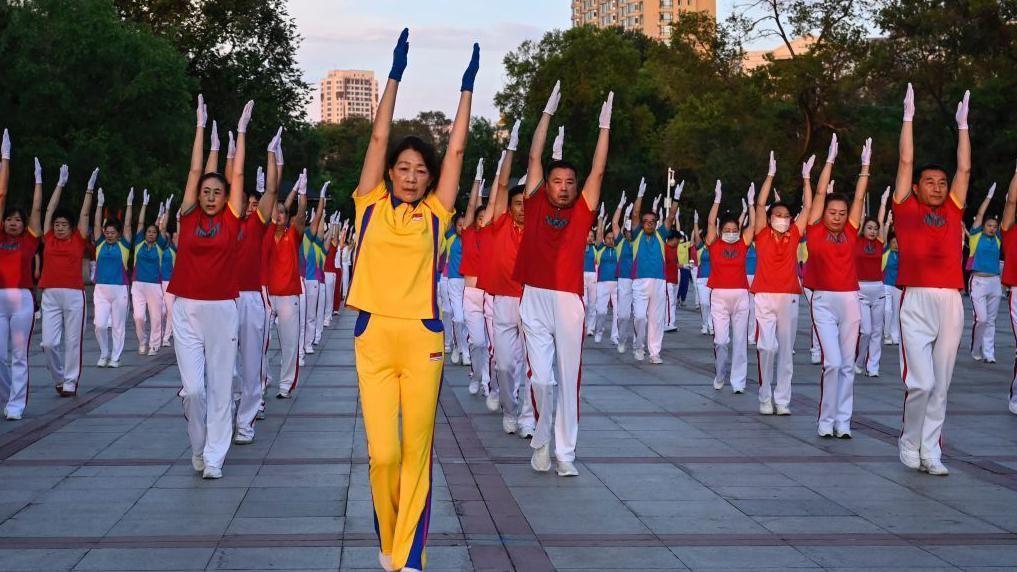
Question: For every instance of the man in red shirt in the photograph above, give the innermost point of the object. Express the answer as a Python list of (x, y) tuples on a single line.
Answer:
[(1009, 274), (550, 266), (927, 216)]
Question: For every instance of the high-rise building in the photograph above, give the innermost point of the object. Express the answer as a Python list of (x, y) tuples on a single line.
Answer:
[(651, 17), (348, 93)]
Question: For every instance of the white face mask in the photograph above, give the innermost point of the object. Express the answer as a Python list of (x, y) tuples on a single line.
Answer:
[(729, 237), (781, 224)]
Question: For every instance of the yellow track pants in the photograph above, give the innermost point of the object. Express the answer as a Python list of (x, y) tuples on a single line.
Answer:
[(399, 366)]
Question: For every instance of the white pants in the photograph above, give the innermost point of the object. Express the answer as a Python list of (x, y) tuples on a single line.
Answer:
[(476, 333), (446, 312), (1013, 325), (287, 310), (17, 317), (836, 317), (206, 349), (63, 325), (607, 293), (247, 388), (590, 299), (931, 320), (147, 295), (454, 291), (301, 320), (729, 312), (752, 313), (624, 310), (985, 294), (649, 313), (553, 324), (495, 385), (891, 318), (345, 281), (510, 360), (703, 297), (319, 319), (671, 306), (110, 313), (775, 323), (311, 288), (814, 349), (872, 302), (167, 314), (330, 279), (270, 316)]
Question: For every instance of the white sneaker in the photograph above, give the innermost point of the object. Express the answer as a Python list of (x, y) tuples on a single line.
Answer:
[(887, 341), (842, 433), (976, 357), (541, 459), (567, 469), (142, 349), (509, 425), (525, 432), (474, 387), (990, 360), (309, 350), (301, 362), (934, 467), (621, 348), (492, 402), (260, 415), (703, 330), (825, 432), (453, 356), (154, 350), (113, 363), (656, 360), (198, 462), (283, 394), (766, 407), (167, 343), (737, 390), (872, 374), (782, 409), (816, 360), (639, 355), (909, 458), (243, 439), (597, 338), (12, 416), (212, 473), (858, 370), (718, 384), (386, 562), (1013, 407), (466, 360), (103, 362)]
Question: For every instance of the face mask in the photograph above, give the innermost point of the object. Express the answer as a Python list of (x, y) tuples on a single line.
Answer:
[(781, 224), (729, 237)]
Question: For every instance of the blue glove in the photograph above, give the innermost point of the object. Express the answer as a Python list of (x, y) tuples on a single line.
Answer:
[(399, 54), (470, 75)]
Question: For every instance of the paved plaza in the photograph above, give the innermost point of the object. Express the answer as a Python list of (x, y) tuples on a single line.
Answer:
[(674, 475)]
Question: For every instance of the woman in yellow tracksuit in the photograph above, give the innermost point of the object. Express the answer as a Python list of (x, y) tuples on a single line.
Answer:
[(398, 338)]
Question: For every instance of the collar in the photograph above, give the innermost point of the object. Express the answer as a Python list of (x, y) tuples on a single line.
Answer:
[(396, 202)]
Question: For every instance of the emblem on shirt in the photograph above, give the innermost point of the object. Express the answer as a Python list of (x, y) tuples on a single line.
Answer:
[(555, 221), (729, 253), (417, 217), (870, 248), (839, 238), (211, 231), (9, 245), (934, 219)]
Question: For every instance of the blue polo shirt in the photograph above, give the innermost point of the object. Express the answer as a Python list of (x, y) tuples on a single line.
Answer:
[(649, 261), (986, 254), (148, 261), (624, 258), (589, 259), (608, 269), (750, 260), (455, 257), (704, 261), (111, 262), (169, 258), (890, 270)]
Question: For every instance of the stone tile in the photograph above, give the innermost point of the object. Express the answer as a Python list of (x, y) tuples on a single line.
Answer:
[(287, 525), (595, 558), (43, 560), (275, 558), (145, 559), (972, 556), (741, 557), (872, 556)]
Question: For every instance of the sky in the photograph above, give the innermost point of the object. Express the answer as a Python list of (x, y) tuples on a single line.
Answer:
[(348, 34)]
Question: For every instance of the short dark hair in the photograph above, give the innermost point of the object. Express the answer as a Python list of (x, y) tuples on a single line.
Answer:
[(213, 175), (930, 167), (64, 213), (562, 164), (726, 219), (869, 219), (649, 211), (114, 223), (427, 152), (769, 209), (838, 197), (516, 190), (12, 210)]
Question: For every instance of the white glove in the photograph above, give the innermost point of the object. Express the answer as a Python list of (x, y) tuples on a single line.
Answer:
[(302, 183), (480, 170), (554, 100), (745, 206), (5, 147), (64, 174), (751, 197), (245, 117), (38, 172), (202, 112), (962, 111), (162, 211), (678, 191), (670, 178), (605, 111), (909, 104), (514, 137), (214, 146), (829, 188), (656, 202), (501, 163), (278, 153), (169, 201), (831, 155), (642, 188), (621, 203), (601, 215), (772, 169), (130, 197), (867, 152), (716, 193), (101, 198), (992, 191), (695, 217), (522, 180), (776, 195), (231, 148), (259, 180), (144, 197), (807, 167), (324, 189), (628, 211), (92, 179), (558, 148), (884, 197), (275, 140)]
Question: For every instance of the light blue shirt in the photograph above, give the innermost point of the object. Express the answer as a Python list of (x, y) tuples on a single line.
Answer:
[(650, 257), (986, 255)]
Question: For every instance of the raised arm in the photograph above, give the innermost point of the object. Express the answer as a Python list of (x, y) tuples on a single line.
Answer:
[(54, 200), (35, 216), (140, 230), (452, 164), (980, 215), (802, 220), (373, 172), (5, 169), (97, 221), (190, 198), (884, 225), (600, 231), (86, 204), (591, 190), (236, 198), (299, 220), (471, 203), (637, 207), (319, 210), (212, 164), (749, 233), (962, 178), (616, 217), (231, 153), (824, 183), (494, 195), (499, 192), (128, 217), (759, 210), (711, 222), (535, 165), (1011, 205), (906, 150), (858, 205)]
